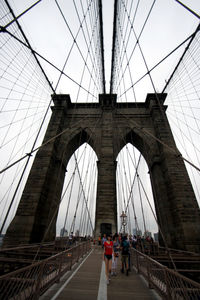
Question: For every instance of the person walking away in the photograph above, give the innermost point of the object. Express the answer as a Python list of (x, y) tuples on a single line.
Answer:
[(134, 242), (107, 257), (129, 253), (125, 246), (116, 247), (99, 240), (71, 239), (103, 240)]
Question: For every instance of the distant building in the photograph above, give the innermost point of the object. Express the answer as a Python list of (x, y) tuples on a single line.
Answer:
[(63, 232)]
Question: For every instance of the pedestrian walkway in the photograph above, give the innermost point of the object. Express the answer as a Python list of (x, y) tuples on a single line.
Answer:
[(87, 281)]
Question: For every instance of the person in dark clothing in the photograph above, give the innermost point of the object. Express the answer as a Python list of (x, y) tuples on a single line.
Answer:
[(125, 248)]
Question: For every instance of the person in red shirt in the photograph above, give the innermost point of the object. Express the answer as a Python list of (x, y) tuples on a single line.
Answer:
[(107, 257)]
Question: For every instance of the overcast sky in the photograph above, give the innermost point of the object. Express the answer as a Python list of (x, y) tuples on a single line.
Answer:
[(169, 24)]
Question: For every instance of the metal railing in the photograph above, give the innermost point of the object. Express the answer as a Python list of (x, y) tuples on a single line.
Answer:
[(153, 248), (31, 281), (168, 283)]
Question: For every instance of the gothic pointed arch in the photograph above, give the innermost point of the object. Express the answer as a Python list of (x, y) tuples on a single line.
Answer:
[(134, 191), (99, 124), (70, 143), (138, 140), (79, 193)]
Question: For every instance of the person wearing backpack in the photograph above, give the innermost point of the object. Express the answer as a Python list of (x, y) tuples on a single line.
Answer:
[(125, 247)]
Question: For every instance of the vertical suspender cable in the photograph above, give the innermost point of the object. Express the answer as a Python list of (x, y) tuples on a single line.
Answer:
[(113, 45), (27, 162), (27, 41), (102, 45), (141, 203), (180, 60), (24, 12), (189, 9)]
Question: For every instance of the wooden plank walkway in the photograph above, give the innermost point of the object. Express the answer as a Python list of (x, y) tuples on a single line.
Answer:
[(89, 282)]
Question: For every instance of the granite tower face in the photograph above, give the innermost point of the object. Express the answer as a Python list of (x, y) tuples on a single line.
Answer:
[(107, 127)]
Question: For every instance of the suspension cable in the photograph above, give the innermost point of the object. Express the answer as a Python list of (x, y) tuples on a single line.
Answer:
[(189, 9), (46, 60), (175, 152), (44, 144), (102, 46), (181, 58), (113, 45), (84, 196), (3, 29), (20, 15), (157, 64), (141, 183)]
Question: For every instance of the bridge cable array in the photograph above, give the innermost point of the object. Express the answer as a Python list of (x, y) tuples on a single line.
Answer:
[(24, 83), (85, 63)]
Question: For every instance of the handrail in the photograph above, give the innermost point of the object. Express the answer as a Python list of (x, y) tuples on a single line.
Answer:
[(179, 251), (167, 282), (28, 246), (31, 281), (153, 248)]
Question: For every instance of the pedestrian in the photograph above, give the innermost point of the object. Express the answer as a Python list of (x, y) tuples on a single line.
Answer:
[(99, 240), (71, 239), (134, 242), (107, 257), (103, 240), (129, 253), (116, 247), (125, 246)]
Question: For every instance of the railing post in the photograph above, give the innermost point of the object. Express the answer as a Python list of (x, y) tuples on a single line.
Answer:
[(77, 252), (82, 249), (167, 285), (36, 294), (71, 259), (149, 273), (60, 267), (86, 246), (80, 252), (137, 262)]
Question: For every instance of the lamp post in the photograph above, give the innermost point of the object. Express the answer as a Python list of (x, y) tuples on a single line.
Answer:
[(123, 221)]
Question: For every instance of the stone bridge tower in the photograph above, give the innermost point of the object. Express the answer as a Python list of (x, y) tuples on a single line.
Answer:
[(107, 126)]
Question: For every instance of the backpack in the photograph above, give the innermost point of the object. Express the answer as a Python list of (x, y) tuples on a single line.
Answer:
[(125, 246)]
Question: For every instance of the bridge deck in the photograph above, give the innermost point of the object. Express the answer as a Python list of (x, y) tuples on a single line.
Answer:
[(87, 281)]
